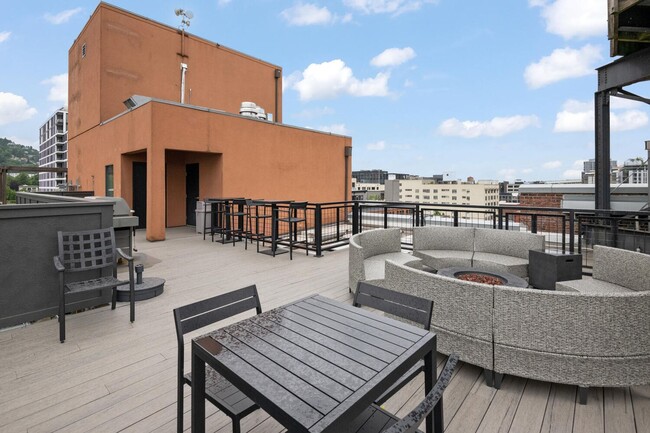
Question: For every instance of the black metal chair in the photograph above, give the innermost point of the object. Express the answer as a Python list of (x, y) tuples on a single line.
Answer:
[(296, 213), (235, 215), (88, 251), (413, 308), (376, 420), (253, 217), (218, 390)]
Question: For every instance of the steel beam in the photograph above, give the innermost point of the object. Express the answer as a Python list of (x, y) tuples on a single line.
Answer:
[(602, 192), (627, 70)]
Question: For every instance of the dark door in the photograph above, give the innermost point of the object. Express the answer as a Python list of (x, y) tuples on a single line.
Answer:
[(140, 192), (191, 192)]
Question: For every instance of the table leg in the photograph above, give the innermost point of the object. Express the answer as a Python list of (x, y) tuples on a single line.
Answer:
[(198, 393), (274, 228), (435, 421)]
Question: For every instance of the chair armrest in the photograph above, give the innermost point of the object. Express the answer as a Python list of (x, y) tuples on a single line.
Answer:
[(124, 255), (58, 265)]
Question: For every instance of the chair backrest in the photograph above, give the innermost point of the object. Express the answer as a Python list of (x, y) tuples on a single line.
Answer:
[(194, 316), (399, 304), (88, 249), (410, 422)]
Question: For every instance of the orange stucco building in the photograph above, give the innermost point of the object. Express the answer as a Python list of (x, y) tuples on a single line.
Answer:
[(161, 154)]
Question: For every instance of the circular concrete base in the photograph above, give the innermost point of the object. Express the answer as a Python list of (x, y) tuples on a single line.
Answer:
[(150, 288)]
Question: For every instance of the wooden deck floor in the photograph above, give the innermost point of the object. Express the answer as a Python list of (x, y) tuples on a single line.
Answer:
[(111, 375)]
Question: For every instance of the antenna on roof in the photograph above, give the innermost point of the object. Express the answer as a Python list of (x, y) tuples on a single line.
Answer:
[(186, 17)]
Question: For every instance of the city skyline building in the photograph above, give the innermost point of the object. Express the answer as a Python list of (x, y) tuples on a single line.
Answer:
[(53, 150)]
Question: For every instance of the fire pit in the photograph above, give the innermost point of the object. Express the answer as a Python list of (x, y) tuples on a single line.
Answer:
[(484, 277)]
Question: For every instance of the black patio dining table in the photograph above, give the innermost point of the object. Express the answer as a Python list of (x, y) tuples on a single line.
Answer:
[(314, 365)]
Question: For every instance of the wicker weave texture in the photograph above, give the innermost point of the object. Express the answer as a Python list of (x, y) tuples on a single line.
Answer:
[(623, 267), (507, 243)]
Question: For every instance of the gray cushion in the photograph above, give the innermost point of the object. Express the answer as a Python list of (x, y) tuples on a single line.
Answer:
[(622, 267), (440, 259), (443, 238), (507, 243), (590, 285), (501, 263), (375, 265)]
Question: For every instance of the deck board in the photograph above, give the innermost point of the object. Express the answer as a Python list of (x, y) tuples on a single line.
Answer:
[(111, 375)]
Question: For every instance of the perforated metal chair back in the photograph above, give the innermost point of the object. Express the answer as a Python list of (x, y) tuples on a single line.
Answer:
[(399, 304), (86, 250)]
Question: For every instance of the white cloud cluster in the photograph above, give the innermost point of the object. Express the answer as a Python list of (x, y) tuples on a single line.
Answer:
[(576, 171), (378, 146), (563, 63), (4, 36), (573, 18), (61, 17), (395, 7), (393, 57), (578, 116), (497, 127), (59, 88), (550, 165), (309, 14), (329, 79), (14, 108)]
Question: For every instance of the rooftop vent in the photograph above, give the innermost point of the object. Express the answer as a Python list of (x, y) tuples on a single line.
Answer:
[(251, 109)]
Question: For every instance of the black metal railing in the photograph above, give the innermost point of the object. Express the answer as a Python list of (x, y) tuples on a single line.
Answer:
[(330, 225)]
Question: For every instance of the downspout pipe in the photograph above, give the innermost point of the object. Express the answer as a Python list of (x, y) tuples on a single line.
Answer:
[(183, 71)]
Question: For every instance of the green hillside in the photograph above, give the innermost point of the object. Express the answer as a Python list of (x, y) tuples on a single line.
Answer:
[(17, 154)]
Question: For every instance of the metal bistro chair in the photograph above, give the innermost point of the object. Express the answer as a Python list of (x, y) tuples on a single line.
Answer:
[(86, 251), (253, 217), (413, 308), (296, 213), (235, 215), (377, 420), (218, 390)]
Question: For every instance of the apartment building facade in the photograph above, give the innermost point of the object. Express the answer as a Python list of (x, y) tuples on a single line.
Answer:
[(446, 193), (53, 150)]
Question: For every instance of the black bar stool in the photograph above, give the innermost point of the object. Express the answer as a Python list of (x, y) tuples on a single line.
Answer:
[(235, 215), (296, 213), (256, 210)]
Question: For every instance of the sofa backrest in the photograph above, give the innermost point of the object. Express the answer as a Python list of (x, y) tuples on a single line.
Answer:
[(380, 241), (443, 238), (623, 267), (507, 243)]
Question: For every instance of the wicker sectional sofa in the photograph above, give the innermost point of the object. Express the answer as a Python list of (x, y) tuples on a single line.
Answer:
[(590, 332), (488, 249)]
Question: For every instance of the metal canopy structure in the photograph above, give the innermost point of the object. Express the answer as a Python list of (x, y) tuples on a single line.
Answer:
[(629, 35), (4, 170)]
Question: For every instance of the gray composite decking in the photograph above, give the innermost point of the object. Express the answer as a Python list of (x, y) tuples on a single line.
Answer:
[(111, 375)]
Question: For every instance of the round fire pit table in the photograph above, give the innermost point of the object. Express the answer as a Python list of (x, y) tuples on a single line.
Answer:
[(486, 277)]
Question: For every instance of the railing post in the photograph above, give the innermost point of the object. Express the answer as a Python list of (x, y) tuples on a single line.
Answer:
[(571, 232), (533, 223), (455, 218), (417, 215), (385, 217), (318, 229), (338, 222), (355, 218), (500, 216), (563, 234)]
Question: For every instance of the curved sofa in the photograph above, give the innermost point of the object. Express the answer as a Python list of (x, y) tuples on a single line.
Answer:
[(488, 249), (580, 337)]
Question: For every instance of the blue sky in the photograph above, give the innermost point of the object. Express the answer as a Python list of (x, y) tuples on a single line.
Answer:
[(493, 90)]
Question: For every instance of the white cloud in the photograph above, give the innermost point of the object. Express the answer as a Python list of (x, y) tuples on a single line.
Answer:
[(573, 18), (4, 36), (62, 17), (337, 128), (496, 127), (378, 146), (563, 63), (394, 7), (550, 165), (576, 171), (14, 108), (578, 116), (393, 57), (307, 15), (58, 89), (330, 79), (223, 3)]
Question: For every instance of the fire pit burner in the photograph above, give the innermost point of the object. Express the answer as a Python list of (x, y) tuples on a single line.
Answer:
[(484, 277)]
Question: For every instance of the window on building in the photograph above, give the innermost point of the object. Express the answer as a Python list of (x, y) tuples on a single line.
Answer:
[(109, 181)]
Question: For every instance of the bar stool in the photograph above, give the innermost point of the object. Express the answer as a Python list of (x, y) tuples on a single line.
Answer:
[(235, 216), (292, 219), (253, 214)]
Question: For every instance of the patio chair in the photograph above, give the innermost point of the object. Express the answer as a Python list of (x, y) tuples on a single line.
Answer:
[(402, 305), (218, 390), (296, 213), (376, 420), (253, 217), (90, 250)]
